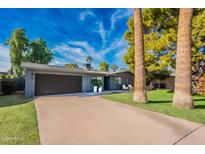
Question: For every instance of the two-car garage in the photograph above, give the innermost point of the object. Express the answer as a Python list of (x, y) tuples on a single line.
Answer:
[(46, 84)]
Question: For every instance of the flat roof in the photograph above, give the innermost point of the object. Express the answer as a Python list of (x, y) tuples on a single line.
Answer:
[(62, 69), (124, 71)]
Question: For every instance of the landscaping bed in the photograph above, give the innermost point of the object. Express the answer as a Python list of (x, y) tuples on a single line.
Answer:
[(161, 101), (18, 122)]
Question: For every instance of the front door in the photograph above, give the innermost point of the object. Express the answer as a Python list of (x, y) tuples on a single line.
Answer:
[(106, 83)]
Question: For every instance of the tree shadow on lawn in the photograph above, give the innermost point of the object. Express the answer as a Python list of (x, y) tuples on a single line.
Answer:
[(11, 100), (201, 106), (159, 101), (170, 91), (170, 101)]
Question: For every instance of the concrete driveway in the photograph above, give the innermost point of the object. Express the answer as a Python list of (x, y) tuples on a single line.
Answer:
[(94, 120)]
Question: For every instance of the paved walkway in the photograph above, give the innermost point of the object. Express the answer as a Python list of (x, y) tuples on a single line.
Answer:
[(94, 120)]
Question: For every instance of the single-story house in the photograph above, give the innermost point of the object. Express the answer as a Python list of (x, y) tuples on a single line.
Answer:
[(167, 83), (41, 79)]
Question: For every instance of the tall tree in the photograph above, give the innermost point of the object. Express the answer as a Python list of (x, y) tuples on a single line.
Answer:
[(198, 46), (160, 38), (183, 90), (104, 66), (18, 44), (38, 52), (114, 67), (74, 66), (89, 59), (160, 42), (139, 81)]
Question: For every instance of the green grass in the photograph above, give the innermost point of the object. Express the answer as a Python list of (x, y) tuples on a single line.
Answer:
[(161, 101), (18, 123)]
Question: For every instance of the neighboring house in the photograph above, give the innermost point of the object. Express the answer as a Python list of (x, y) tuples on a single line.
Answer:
[(117, 79), (43, 79), (168, 83), (3, 73), (201, 85)]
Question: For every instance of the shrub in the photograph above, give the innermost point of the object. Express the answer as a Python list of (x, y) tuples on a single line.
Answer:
[(8, 86), (99, 83), (94, 82), (8, 76)]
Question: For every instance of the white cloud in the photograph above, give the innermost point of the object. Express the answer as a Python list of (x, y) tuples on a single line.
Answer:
[(102, 32), (99, 24), (85, 14), (58, 62), (121, 50), (88, 49), (82, 44), (76, 52), (4, 59), (68, 49), (70, 54), (119, 14), (120, 53), (117, 44)]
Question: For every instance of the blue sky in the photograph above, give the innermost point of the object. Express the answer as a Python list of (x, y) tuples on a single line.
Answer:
[(71, 34)]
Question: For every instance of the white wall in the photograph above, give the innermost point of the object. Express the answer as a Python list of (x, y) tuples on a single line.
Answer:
[(86, 84), (29, 83)]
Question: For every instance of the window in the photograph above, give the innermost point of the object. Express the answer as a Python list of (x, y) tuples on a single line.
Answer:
[(93, 80), (96, 78), (118, 80), (127, 80), (162, 85), (99, 78)]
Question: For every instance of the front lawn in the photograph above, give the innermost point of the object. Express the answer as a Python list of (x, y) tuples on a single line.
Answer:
[(160, 101), (18, 123)]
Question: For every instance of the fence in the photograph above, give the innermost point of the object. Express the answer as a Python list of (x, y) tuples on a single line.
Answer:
[(0, 87), (20, 84)]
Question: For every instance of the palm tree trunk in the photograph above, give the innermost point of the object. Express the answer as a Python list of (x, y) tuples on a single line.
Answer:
[(140, 81), (183, 93)]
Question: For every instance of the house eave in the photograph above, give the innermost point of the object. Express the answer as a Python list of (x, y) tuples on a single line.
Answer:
[(49, 69)]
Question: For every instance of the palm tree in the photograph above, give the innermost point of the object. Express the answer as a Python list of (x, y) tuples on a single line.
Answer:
[(74, 66), (114, 67), (89, 59), (140, 81), (183, 93), (104, 66)]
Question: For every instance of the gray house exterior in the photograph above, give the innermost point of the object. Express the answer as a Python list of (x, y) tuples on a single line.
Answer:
[(43, 79)]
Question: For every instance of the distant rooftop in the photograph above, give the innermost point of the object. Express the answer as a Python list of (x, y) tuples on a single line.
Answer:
[(4, 73)]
